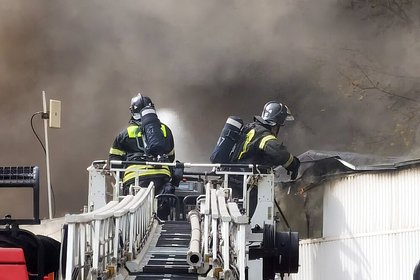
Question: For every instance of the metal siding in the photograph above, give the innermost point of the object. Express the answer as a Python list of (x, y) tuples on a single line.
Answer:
[(371, 229), (387, 256), (371, 202)]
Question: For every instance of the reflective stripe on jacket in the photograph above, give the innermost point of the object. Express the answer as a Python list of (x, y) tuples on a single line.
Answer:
[(128, 145), (255, 139), (143, 171), (130, 141), (259, 146)]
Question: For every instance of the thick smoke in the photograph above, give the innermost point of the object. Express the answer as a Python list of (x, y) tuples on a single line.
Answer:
[(201, 63)]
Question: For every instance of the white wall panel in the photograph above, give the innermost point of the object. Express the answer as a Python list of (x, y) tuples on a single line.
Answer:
[(371, 229), (372, 202), (387, 256)]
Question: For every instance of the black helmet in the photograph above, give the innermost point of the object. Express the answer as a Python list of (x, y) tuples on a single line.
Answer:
[(138, 102), (275, 113)]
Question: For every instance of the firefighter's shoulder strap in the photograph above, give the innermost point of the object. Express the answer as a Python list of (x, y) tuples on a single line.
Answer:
[(253, 137), (247, 133)]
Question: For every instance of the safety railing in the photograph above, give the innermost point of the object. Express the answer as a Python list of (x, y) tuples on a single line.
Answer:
[(218, 228), (93, 239), (133, 223), (224, 227), (241, 248), (238, 228), (232, 228)]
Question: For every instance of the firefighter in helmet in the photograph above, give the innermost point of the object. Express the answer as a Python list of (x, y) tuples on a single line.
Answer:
[(259, 144), (129, 145)]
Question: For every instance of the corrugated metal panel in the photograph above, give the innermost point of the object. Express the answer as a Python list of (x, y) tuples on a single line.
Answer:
[(371, 229), (386, 256), (372, 202)]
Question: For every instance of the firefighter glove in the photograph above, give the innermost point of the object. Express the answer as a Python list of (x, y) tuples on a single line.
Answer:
[(293, 168), (177, 174)]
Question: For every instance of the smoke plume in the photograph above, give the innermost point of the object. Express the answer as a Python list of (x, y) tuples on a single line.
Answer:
[(341, 66)]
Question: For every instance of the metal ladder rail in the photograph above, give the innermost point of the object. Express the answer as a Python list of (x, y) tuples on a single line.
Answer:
[(103, 237), (78, 236), (122, 225), (89, 228)]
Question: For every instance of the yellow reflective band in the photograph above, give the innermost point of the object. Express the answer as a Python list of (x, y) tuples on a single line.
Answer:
[(117, 152), (248, 139), (265, 140), (133, 131), (288, 162), (132, 168), (163, 128), (144, 170)]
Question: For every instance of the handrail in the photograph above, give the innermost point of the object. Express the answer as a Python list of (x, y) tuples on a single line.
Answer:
[(225, 219), (226, 225), (224, 213), (207, 219), (110, 212), (105, 231), (220, 168), (241, 221), (214, 222), (85, 217), (86, 232), (96, 234)]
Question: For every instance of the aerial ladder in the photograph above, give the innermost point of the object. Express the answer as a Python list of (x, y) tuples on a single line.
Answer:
[(208, 235)]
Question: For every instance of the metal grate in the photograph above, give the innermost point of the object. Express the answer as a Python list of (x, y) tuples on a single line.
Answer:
[(22, 177), (17, 176)]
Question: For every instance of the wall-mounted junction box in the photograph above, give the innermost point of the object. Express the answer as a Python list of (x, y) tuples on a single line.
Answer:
[(55, 113)]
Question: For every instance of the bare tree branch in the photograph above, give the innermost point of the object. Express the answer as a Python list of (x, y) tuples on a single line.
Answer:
[(396, 8), (376, 86)]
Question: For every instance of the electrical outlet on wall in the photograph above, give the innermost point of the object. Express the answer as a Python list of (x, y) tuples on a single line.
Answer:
[(55, 113)]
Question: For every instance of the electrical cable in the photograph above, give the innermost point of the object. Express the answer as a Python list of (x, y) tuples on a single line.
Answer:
[(45, 152), (36, 135)]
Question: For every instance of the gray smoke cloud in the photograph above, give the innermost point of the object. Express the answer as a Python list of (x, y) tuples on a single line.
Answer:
[(200, 63)]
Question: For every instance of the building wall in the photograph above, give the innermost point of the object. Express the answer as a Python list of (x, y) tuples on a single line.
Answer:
[(371, 229), (386, 256), (372, 202)]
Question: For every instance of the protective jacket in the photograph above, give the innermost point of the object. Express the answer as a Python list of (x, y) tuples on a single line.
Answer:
[(128, 145), (259, 146)]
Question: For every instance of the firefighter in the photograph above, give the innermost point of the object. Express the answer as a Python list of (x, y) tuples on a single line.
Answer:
[(129, 145), (259, 144)]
